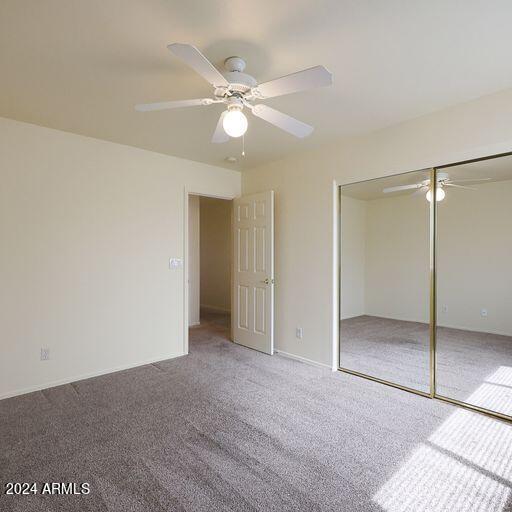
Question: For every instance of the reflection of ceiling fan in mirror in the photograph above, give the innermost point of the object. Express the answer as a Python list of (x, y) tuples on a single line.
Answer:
[(237, 90), (443, 180)]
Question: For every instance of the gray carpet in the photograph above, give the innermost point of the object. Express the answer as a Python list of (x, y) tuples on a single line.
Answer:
[(229, 429), (472, 366)]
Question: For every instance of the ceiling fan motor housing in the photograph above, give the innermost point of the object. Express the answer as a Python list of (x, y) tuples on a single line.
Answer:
[(234, 74)]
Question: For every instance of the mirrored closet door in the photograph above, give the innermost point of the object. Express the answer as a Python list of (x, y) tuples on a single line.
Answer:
[(426, 282), (385, 271), (474, 284)]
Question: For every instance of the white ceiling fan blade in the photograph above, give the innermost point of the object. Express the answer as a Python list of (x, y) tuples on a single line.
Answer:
[(467, 180), (285, 122), (199, 63), (164, 105), (458, 186), (219, 135), (420, 191), (402, 187), (317, 76)]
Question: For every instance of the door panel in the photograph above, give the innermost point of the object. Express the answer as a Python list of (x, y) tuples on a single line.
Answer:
[(259, 249), (253, 278), (243, 307), (259, 310), (243, 249), (243, 211)]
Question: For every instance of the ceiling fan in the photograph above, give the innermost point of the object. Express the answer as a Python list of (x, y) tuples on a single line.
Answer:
[(443, 180), (238, 90)]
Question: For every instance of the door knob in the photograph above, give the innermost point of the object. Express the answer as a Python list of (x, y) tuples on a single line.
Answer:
[(268, 281)]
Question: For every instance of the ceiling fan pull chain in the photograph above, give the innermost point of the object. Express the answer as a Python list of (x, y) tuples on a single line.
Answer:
[(243, 145)]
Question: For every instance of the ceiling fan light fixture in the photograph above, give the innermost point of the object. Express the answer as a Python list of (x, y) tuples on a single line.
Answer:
[(237, 89), (234, 122), (440, 195)]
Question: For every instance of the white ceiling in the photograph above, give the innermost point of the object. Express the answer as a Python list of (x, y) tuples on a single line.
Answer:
[(81, 65)]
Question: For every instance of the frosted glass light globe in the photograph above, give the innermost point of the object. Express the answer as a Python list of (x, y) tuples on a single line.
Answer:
[(235, 123), (440, 195)]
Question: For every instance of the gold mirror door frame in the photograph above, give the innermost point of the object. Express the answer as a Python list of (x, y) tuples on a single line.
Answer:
[(433, 281)]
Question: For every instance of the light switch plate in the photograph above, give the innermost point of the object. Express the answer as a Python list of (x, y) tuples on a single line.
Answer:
[(175, 263)]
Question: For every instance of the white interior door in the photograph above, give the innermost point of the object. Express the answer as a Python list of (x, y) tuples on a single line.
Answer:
[(253, 276)]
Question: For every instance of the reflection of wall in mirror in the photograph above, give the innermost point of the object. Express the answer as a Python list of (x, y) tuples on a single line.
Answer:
[(385, 258)]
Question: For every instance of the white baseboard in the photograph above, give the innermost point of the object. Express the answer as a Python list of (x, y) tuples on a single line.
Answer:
[(194, 324), (214, 309), (302, 359), (440, 323), (84, 376), (474, 329), (352, 315)]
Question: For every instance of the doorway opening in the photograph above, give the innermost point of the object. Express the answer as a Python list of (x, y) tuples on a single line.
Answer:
[(209, 268)]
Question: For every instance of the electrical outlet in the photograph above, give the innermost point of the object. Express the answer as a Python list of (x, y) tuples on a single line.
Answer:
[(45, 354), (483, 312), (298, 333)]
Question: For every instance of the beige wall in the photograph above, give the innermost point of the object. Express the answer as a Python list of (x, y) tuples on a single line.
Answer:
[(385, 257), (475, 258), (398, 258), (353, 257), (305, 249), (215, 245), (385, 252), (193, 260), (87, 228)]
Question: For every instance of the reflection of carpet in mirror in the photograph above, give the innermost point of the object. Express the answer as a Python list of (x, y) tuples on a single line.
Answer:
[(399, 351)]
